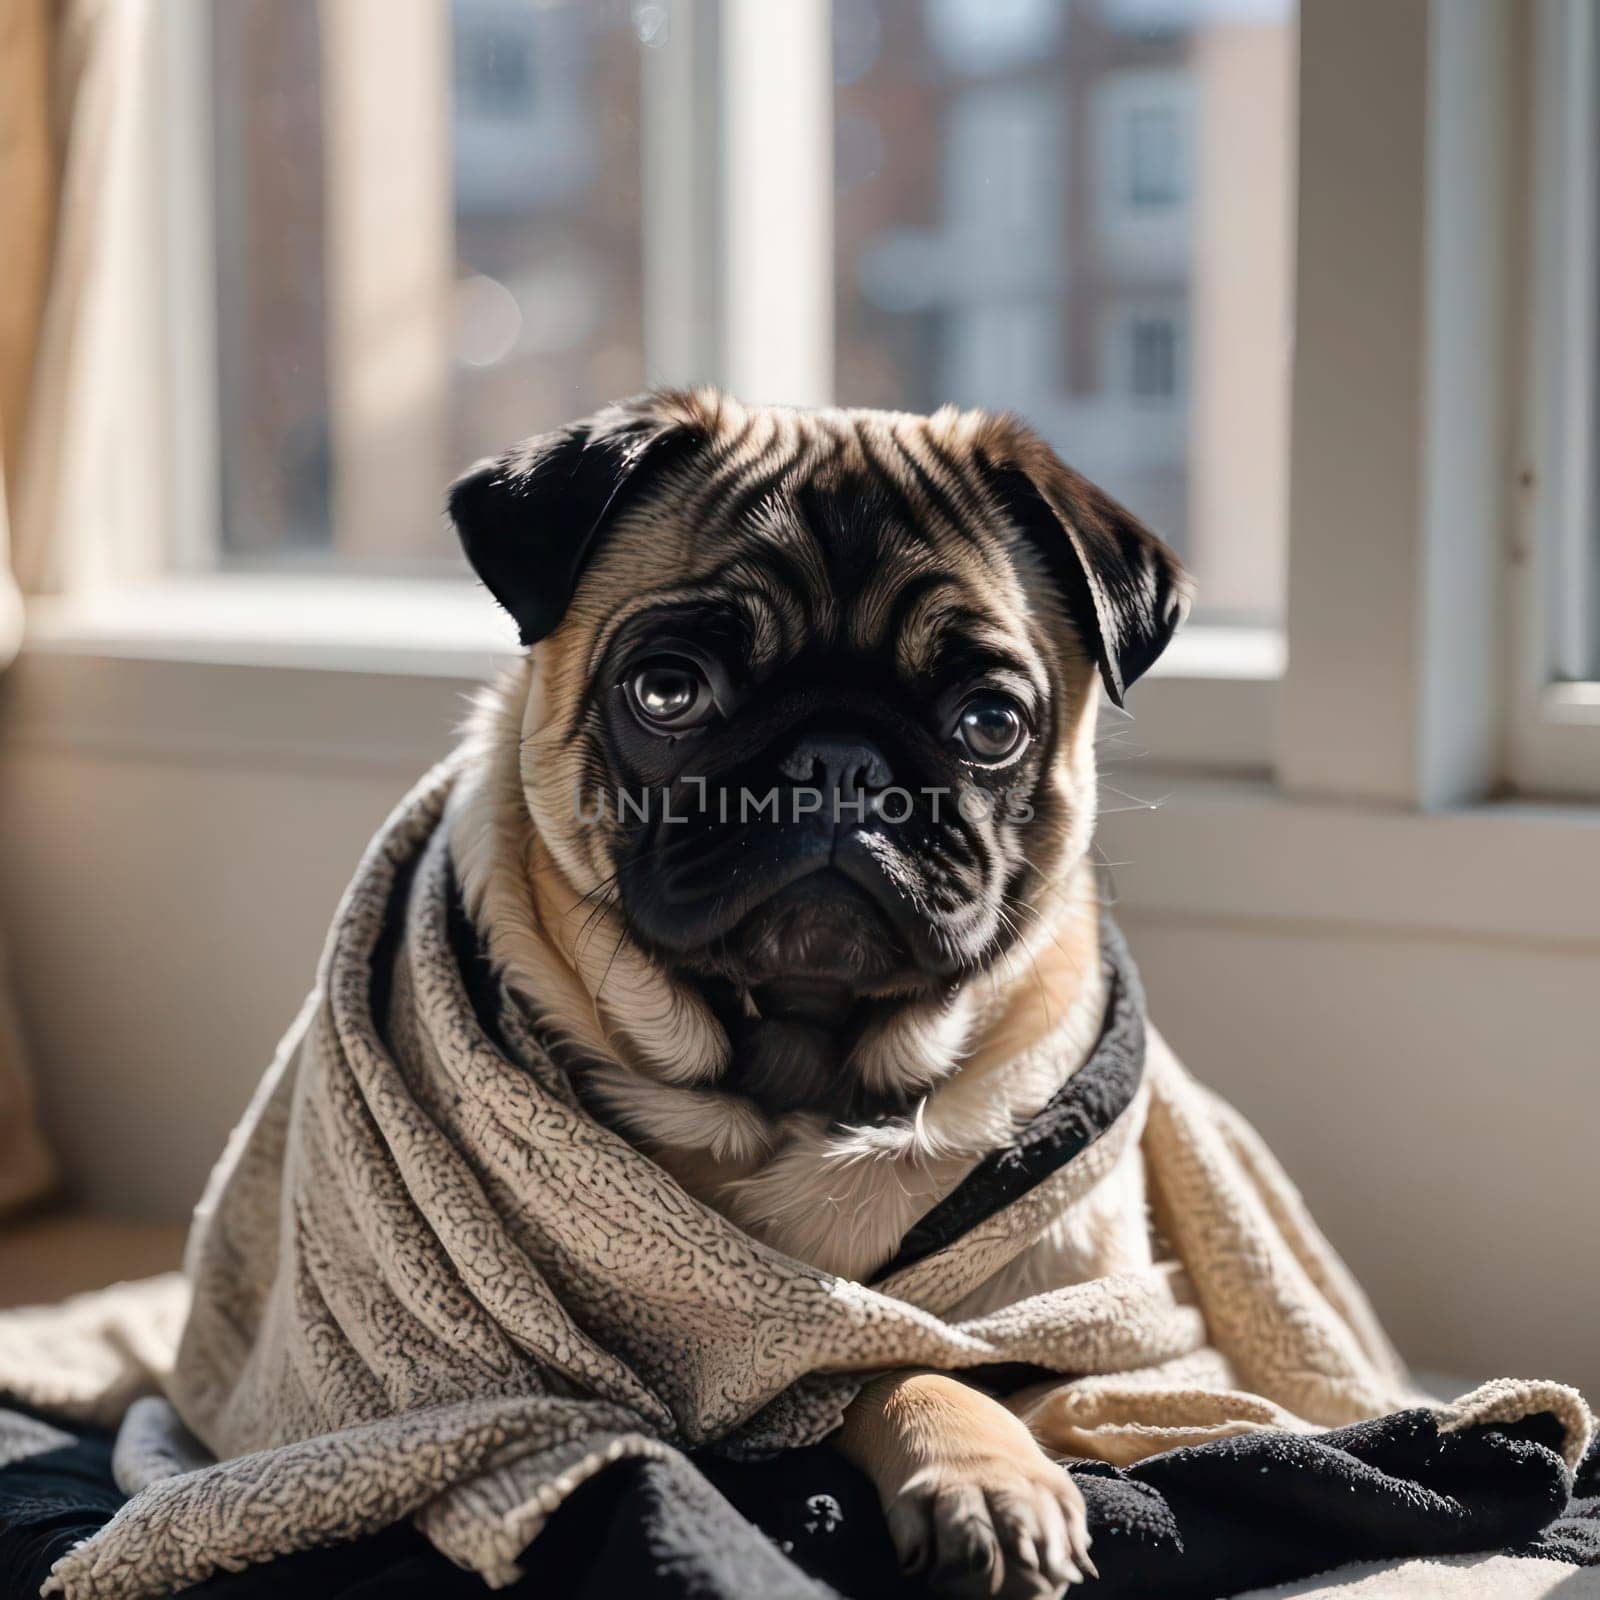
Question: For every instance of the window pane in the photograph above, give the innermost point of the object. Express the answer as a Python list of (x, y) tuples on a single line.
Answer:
[(428, 239), (1080, 210)]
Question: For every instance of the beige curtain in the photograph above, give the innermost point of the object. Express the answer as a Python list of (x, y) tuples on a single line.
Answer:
[(79, 89), (29, 173), (26, 1168), (80, 86)]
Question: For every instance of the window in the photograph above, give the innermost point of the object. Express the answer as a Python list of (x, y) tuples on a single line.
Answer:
[(1153, 358), (494, 71), (1083, 210), (1001, 205), (1151, 18), (1152, 156), (988, 35), (423, 251)]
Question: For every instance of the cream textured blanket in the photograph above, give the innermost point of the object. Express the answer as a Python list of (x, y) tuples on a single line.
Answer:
[(427, 1283)]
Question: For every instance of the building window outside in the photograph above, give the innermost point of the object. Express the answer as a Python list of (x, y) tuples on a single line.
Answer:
[(1152, 358), (493, 72), (999, 209), (506, 297), (1153, 157)]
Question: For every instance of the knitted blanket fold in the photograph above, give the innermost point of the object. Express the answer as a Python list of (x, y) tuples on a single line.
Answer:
[(427, 1283)]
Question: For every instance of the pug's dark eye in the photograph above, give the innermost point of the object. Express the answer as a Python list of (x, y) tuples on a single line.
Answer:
[(992, 727), (670, 696)]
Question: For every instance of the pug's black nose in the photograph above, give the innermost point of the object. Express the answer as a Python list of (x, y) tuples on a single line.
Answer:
[(845, 767)]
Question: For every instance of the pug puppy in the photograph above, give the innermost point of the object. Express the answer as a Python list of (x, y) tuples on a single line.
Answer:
[(782, 826)]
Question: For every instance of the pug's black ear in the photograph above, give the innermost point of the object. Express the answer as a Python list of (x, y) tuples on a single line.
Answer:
[(531, 519), (1125, 591)]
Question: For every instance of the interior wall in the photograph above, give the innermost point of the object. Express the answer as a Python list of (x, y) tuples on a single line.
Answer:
[(164, 922), (1435, 1097), (1436, 1101)]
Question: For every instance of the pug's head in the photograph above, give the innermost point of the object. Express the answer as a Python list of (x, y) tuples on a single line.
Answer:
[(815, 695)]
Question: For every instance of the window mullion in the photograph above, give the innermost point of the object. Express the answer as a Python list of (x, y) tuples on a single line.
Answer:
[(1400, 457), (777, 185), (188, 313), (680, 126), (390, 261)]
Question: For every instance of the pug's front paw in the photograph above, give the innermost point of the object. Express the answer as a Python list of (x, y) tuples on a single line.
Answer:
[(997, 1525)]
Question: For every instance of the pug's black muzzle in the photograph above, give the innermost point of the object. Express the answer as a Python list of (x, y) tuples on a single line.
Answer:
[(794, 870)]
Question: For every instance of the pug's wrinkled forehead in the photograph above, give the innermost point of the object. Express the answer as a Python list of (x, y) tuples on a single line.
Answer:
[(827, 563), (798, 529)]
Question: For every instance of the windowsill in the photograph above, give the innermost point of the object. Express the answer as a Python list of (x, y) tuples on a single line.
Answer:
[(432, 627), (313, 674), (1206, 650), (1575, 704)]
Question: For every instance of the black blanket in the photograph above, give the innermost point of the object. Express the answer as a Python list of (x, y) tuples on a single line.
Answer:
[(1212, 1520)]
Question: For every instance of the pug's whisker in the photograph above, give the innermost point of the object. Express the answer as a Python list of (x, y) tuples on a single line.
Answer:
[(586, 932), (1104, 870), (1055, 938), (610, 879), (599, 888), (622, 939), (1139, 802), (1119, 747), (1010, 922)]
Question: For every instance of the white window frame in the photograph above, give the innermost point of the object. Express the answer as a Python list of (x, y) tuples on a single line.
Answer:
[(1553, 743), (1401, 491), (1400, 466)]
